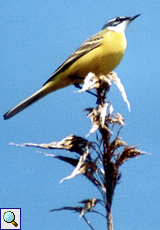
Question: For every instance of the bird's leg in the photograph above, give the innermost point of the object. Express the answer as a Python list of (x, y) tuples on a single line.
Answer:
[(80, 87)]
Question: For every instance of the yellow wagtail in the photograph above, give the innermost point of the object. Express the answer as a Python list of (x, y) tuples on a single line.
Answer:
[(100, 55)]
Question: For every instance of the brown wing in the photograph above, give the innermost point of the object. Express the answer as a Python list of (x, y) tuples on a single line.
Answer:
[(85, 48)]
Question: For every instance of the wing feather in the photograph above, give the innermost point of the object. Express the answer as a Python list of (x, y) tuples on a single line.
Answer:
[(85, 48)]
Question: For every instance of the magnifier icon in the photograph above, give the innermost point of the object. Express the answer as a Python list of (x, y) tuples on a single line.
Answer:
[(9, 217)]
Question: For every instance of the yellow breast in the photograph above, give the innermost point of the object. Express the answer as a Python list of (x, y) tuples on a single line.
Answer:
[(104, 58), (100, 61), (111, 51)]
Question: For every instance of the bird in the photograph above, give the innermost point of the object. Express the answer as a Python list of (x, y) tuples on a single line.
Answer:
[(100, 54)]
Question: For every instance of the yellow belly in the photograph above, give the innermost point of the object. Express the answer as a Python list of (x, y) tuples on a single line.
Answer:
[(102, 59)]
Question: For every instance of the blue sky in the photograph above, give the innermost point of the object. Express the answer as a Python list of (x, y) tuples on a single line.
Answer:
[(36, 36)]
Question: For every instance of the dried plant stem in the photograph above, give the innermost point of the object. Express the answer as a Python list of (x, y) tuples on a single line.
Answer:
[(109, 220), (88, 223), (110, 187), (109, 197), (98, 161), (109, 169)]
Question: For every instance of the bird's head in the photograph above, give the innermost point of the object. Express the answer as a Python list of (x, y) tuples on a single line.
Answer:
[(119, 24)]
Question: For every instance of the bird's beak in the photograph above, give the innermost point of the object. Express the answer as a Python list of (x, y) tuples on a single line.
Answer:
[(134, 17)]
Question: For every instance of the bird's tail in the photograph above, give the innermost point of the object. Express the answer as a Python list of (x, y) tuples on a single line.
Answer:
[(30, 100)]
